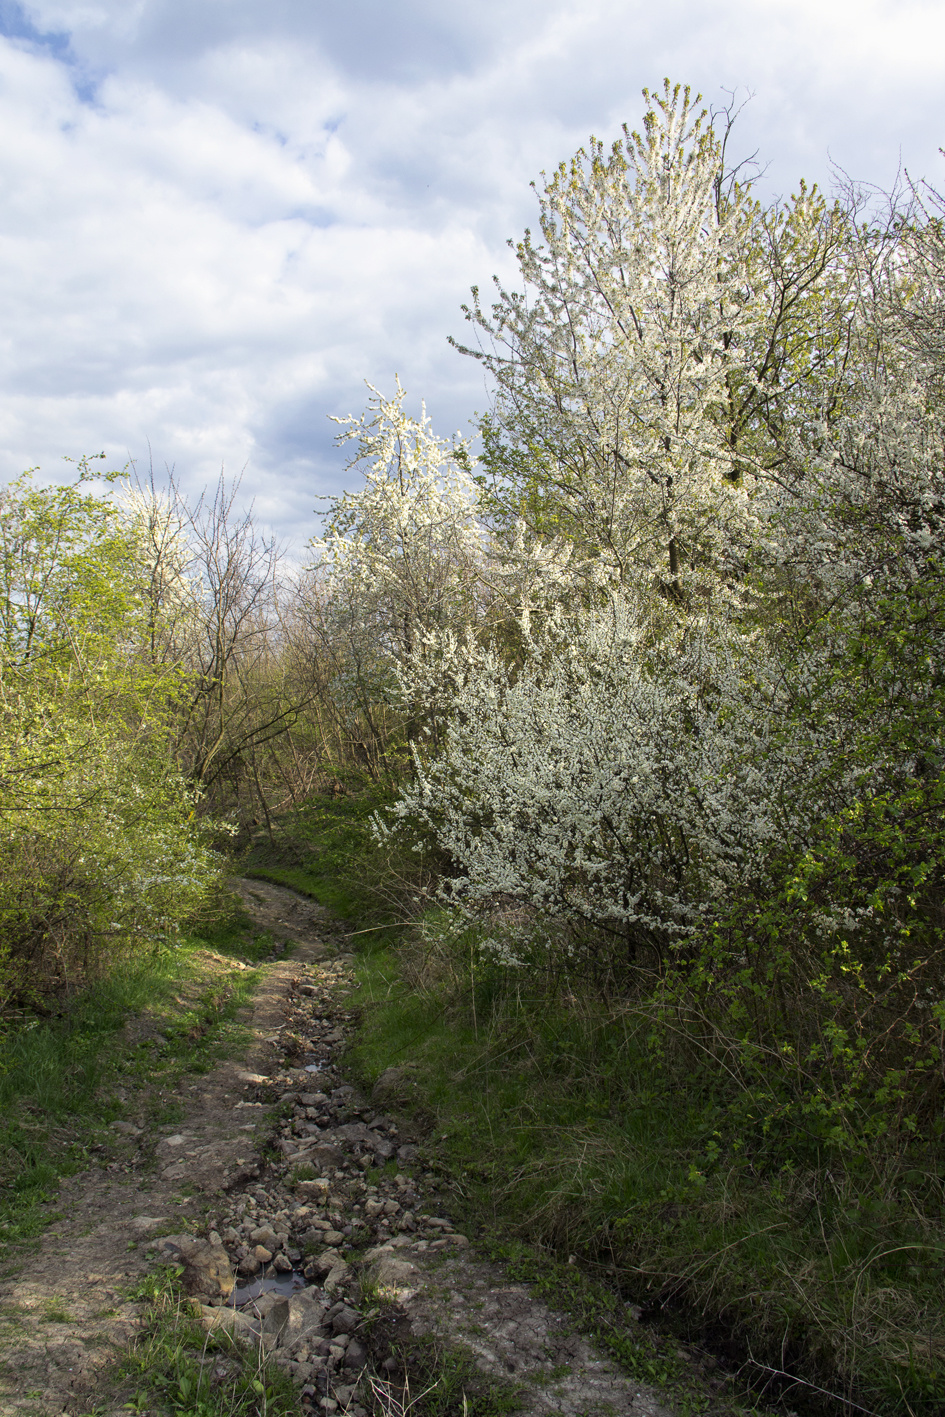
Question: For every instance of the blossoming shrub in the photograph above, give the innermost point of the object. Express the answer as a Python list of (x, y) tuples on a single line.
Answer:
[(610, 780), (721, 787), (740, 828)]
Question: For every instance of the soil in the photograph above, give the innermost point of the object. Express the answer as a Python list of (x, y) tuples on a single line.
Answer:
[(385, 1269)]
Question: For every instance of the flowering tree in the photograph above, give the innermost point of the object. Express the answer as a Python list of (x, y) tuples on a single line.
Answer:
[(666, 324), (408, 541), (617, 359), (717, 749), (400, 558)]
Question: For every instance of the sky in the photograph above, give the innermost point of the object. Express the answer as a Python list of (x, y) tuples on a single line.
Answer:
[(219, 218)]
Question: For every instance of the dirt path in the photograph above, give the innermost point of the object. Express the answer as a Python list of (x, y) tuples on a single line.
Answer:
[(297, 1189)]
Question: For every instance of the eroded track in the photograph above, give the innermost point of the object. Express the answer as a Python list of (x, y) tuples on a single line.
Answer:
[(265, 1189)]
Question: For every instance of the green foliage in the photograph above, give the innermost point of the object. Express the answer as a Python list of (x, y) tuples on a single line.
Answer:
[(99, 847), (564, 1123), (819, 990), (327, 850)]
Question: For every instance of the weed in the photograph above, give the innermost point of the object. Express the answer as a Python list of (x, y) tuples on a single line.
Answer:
[(430, 1378), (191, 1373), (54, 1311)]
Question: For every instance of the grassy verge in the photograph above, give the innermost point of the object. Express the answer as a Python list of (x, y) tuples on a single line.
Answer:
[(119, 1045), (821, 1285), (176, 1367), (816, 1280), (504, 1134)]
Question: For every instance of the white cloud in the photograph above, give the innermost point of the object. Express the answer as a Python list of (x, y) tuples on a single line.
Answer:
[(221, 217)]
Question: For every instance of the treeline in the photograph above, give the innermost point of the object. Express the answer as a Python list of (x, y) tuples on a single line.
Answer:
[(162, 692), (660, 674)]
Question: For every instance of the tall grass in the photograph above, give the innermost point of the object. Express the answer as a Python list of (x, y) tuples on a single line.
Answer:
[(567, 1131)]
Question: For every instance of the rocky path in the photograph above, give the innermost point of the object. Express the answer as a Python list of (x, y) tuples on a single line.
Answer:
[(276, 1171)]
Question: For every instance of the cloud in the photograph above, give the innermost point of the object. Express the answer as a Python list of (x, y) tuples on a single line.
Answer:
[(222, 217)]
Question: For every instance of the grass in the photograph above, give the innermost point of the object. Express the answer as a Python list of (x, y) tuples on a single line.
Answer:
[(228, 931), (121, 1044), (326, 851), (493, 1137), (424, 1375), (558, 1131), (54, 1311), (176, 1367), (433, 1378)]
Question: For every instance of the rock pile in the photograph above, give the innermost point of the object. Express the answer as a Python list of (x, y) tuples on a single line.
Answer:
[(287, 1260)]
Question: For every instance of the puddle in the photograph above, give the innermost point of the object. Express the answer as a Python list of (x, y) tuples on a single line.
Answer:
[(267, 1284)]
